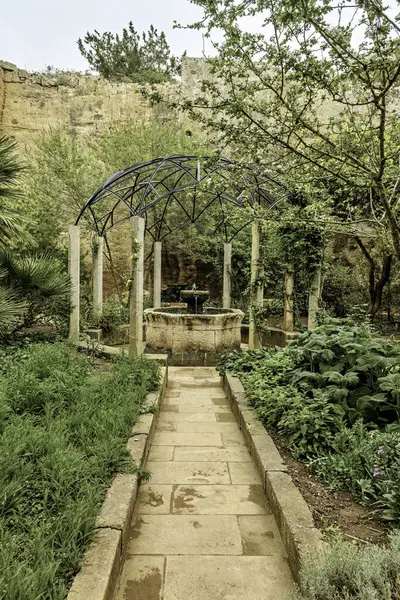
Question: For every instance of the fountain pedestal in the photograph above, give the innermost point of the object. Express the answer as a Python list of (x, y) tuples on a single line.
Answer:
[(195, 300)]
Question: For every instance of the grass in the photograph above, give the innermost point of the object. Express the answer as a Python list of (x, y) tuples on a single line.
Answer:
[(63, 433)]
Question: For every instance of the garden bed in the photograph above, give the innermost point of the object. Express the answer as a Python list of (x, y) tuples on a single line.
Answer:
[(333, 511), (334, 397)]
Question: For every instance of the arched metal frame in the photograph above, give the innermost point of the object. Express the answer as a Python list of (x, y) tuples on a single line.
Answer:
[(190, 186)]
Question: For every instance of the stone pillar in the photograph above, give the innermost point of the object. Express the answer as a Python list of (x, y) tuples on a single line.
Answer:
[(314, 298), (97, 278), (136, 303), (157, 275), (255, 295), (288, 320), (74, 274), (260, 288), (227, 285)]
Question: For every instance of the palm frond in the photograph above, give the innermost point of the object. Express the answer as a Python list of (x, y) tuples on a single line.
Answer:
[(11, 166), (12, 309), (35, 272), (13, 227)]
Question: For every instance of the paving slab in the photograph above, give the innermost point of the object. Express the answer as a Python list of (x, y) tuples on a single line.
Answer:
[(243, 472), (162, 453), (209, 454), (165, 407), (172, 438), (196, 417), (193, 394), (188, 472), (233, 439), (227, 578), (193, 427), (167, 425), (225, 417), (154, 499), (219, 499), (203, 408), (260, 536), (193, 534), (206, 400), (142, 578)]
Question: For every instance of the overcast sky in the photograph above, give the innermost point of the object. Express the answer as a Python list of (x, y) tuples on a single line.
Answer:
[(37, 33)]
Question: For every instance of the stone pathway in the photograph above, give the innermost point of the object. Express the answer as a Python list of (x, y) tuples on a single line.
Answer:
[(202, 529)]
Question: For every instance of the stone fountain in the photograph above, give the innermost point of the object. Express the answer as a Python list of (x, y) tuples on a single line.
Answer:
[(196, 336), (195, 300)]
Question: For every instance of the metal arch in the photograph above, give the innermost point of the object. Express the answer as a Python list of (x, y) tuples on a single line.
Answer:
[(135, 190)]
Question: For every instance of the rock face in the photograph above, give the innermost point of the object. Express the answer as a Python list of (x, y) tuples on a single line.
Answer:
[(31, 102)]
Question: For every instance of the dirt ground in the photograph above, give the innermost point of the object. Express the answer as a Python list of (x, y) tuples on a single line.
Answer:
[(333, 511)]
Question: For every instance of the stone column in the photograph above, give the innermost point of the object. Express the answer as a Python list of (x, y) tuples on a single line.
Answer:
[(157, 275), (288, 320), (97, 278), (74, 273), (227, 285), (256, 295), (314, 298), (136, 304)]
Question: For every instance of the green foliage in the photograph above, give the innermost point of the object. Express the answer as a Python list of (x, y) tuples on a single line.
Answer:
[(344, 572), (289, 88), (10, 167), (12, 224), (328, 393), (142, 58), (12, 310), (301, 243), (28, 282), (351, 367), (32, 286), (114, 313), (63, 437)]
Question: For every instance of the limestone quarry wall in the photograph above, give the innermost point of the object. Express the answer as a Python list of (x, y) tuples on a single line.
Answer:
[(31, 102)]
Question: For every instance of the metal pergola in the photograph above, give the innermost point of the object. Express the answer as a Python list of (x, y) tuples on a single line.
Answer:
[(186, 187)]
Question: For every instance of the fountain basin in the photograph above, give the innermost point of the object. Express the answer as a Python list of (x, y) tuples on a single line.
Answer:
[(214, 332)]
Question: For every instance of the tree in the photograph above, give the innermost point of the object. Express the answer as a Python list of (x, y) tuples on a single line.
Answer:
[(142, 58), (311, 95)]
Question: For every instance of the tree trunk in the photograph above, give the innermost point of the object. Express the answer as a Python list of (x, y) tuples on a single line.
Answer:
[(376, 288)]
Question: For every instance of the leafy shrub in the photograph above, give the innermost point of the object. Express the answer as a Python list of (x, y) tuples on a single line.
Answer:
[(114, 313), (352, 367), (334, 393), (345, 572), (63, 437), (368, 464), (309, 421)]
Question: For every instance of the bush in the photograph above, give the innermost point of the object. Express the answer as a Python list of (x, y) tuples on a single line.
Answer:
[(114, 313), (368, 464), (352, 367), (64, 430), (345, 572), (334, 394)]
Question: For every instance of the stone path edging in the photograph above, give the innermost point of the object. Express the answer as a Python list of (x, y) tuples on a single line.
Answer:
[(99, 573), (288, 506)]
